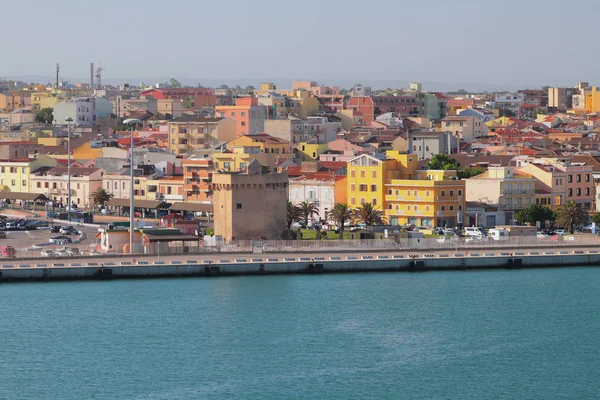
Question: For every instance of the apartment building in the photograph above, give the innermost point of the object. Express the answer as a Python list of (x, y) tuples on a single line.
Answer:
[(188, 134)]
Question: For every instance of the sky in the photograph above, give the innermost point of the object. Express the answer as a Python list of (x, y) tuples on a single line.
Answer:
[(528, 43)]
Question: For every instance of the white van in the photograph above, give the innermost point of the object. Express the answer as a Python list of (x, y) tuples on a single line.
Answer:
[(473, 231), (498, 234)]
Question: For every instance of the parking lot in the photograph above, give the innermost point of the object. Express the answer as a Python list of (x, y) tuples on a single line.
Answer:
[(29, 241)]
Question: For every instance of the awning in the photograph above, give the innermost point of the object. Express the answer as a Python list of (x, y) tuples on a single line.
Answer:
[(193, 207), (169, 238), (138, 203), (23, 196)]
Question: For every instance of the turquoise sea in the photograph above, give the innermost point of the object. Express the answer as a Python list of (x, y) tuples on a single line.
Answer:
[(526, 334)]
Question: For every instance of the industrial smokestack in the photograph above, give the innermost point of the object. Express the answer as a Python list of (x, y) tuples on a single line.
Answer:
[(91, 78)]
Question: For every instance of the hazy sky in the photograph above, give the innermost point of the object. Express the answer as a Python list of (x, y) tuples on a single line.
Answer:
[(524, 42)]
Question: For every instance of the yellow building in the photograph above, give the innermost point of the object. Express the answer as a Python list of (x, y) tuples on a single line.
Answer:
[(308, 151), (266, 149), (434, 198), (592, 101), (15, 176), (367, 176), (501, 122), (404, 193)]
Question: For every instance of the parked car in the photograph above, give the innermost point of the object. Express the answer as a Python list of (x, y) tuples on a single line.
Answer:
[(71, 251), (560, 232), (60, 240), (55, 229), (47, 253), (61, 253), (68, 230), (542, 235), (11, 225), (52, 215), (473, 231)]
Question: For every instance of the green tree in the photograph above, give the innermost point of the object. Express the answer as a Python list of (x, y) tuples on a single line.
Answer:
[(468, 172), (339, 215), (535, 213), (250, 88), (307, 211), (101, 196), (292, 215), (369, 214), (596, 219), (442, 161), (505, 112), (223, 86), (343, 92), (174, 83), (570, 215), (45, 115)]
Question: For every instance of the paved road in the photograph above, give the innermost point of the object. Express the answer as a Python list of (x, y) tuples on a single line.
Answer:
[(316, 256)]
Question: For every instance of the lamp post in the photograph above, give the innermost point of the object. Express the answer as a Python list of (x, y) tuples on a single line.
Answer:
[(131, 122), (69, 120)]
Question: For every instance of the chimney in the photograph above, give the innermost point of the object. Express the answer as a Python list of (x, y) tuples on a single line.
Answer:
[(91, 79)]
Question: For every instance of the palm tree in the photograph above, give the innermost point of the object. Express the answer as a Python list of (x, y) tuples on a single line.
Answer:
[(307, 211), (369, 215), (101, 196), (340, 214), (570, 215), (292, 215)]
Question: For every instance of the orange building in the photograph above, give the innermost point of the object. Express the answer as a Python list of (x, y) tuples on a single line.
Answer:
[(249, 116), (364, 105), (171, 188), (197, 177)]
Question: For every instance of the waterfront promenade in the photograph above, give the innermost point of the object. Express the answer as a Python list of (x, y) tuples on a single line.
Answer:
[(219, 264)]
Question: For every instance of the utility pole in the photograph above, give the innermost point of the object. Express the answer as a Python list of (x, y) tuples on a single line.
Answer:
[(69, 120), (132, 122)]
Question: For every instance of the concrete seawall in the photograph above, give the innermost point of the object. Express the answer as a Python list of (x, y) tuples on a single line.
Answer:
[(23, 272)]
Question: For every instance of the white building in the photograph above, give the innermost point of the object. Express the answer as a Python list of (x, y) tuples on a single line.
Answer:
[(83, 110)]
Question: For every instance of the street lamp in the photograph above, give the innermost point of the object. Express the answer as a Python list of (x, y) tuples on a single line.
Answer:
[(69, 120), (132, 122)]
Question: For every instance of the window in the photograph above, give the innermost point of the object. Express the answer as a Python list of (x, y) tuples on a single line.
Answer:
[(352, 187), (427, 193), (416, 192), (389, 191), (427, 208), (353, 174), (557, 181), (408, 207), (578, 191), (362, 200), (451, 208), (374, 202), (443, 208), (459, 193), (238, 206), (24, 182), (408, 192), (374, 174), (570, 178), (570, 192), (452, 193), (243, 123), (587, 177), (233, 114), (416, 207), (39, 185), (373, 188), (363, 188), (587, 191), (578, 177), (352, 200), (459, 207), (443, 193), (363, 173)]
